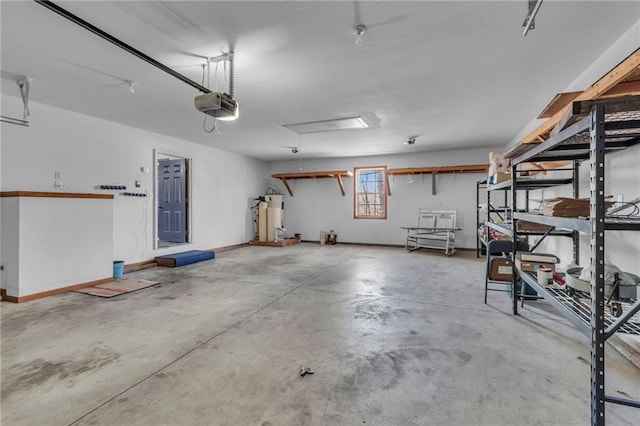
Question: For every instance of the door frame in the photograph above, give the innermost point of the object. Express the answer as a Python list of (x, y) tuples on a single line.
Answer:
[(162, 155)]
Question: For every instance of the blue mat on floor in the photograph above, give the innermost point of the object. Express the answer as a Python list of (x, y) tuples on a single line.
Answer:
[(184, 258)]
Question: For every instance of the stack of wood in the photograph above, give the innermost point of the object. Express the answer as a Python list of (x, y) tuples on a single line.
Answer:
[(569, 207)]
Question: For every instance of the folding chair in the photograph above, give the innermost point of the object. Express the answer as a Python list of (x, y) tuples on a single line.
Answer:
[(495, 250)]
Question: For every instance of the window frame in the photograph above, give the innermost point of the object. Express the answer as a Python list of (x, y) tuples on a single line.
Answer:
[(356, 191)]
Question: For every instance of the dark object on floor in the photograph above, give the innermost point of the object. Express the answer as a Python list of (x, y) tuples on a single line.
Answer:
[(184, 258), (332, 238), (305, 370)]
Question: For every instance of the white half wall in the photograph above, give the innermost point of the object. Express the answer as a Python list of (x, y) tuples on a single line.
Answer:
[(46, 243), (88, 152), (317, 204)]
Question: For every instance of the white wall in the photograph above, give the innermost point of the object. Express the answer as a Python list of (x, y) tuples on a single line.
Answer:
[(622, 176), (318, 205), (88, 151)]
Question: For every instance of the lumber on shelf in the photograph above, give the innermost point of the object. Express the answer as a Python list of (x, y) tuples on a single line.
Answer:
[(597, 90)]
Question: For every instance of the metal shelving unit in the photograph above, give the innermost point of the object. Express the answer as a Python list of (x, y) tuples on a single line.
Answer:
[(610, 126), (492, 213), (508, 213)]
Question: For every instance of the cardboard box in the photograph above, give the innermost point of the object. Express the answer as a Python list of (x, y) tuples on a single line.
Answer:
[(523, 225), (501, 269), (531, 266), (501, 177)]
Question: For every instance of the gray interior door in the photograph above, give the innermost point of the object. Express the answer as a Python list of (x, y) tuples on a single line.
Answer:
[(172, 206)]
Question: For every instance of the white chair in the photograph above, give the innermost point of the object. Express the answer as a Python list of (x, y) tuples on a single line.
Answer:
[(435, 230)]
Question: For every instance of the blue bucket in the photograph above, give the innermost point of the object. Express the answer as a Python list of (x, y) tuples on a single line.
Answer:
[(118, 268)]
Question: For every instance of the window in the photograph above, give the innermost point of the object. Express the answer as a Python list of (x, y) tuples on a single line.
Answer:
[(370, 193)]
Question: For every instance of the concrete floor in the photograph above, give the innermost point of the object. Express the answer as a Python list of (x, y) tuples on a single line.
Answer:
[(394, 338)]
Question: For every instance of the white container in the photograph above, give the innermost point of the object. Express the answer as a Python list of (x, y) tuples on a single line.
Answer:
[(545, 276), (275, 200), (279, 234), (274, 220), (323, 237)]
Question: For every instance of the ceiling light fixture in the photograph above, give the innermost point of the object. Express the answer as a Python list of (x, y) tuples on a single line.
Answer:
[(529, 21), (346, 123), (132, 85), (411, 140), (359, 31)]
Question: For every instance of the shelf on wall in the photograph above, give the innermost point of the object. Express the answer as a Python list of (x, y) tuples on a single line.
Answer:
[(468, 168), (338, 174)]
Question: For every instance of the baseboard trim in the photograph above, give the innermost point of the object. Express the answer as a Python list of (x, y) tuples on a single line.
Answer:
[(231, 247), (34, 296), (132, 267)]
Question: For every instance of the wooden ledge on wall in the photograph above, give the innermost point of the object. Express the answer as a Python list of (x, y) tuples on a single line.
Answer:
[(338, 174), (40, 194), (434, 170), (469, 168)]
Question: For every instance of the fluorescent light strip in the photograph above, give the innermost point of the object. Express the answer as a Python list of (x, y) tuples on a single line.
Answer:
[(347, 123)]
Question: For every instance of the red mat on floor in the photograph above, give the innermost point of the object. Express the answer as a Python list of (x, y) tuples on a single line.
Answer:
[(117, 287)]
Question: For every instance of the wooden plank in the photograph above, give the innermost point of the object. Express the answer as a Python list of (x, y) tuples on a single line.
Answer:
[(313, 175), (580, 109), (38, 194), (558, 102), (286, 185), (283, 243), (623, 89), (470, 168), (606, 83), (341, 184)]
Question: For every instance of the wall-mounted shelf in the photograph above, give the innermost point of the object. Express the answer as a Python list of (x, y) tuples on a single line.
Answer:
[(338, 174), (433, 171), (470, 168)]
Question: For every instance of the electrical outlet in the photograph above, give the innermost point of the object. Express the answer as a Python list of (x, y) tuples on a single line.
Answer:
[(137, 184), (57, 181)]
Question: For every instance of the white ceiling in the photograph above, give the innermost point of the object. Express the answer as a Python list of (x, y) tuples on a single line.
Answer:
[(459, 74)]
